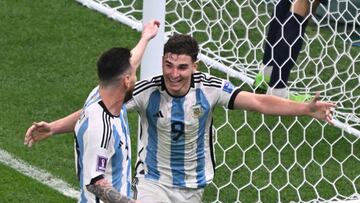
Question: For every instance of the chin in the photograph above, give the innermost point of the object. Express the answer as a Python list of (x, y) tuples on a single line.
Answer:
[(175, 90)]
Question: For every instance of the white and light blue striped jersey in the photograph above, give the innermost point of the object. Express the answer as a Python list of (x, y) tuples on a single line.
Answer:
[(103, 147), (175, 144)]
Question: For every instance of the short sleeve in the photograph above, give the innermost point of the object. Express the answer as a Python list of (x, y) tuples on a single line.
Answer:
[(227, 94), (131, 104), (95, 158)]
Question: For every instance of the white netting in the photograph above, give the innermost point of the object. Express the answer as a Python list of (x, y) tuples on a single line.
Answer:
[(273, 159)]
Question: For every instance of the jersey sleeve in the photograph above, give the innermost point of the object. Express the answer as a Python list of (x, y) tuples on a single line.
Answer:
[(131, 105), (142, 92), (227, 94), (94, 96), (95, 156), (140, 96)]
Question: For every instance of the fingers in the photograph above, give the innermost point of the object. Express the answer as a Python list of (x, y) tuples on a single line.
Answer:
[(156, 22), (327, 104), (30, 142), (327, 110), (316, 97), (37, 131), (331, 105), (328, 116), (28, 135), (151, 28), (152, 24)]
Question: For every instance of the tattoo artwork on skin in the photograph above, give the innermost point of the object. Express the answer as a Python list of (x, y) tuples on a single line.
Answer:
[(108, 194)]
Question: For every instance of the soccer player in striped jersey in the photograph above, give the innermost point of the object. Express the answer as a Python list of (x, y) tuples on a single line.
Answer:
[(175, 158), (101, 132), (283, 45)]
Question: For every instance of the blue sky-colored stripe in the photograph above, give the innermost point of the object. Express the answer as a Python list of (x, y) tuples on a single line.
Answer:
[(200, 151), (128, 144), (177, 141), (116, 161), (80, 140), (151, 148)]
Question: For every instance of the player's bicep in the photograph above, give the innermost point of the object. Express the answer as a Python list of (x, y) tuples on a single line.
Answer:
[(247, 101)]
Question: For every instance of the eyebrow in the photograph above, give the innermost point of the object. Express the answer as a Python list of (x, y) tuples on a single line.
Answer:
[(180, 65)]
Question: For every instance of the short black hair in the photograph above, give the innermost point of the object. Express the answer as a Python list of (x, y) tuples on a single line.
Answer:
[(182, 44), (113, 63)]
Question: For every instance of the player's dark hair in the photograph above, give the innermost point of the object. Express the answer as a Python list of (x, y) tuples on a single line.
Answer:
[(113, 63), (182, 44)]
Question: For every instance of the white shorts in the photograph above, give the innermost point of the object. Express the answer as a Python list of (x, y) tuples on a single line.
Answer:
[(149, 191)]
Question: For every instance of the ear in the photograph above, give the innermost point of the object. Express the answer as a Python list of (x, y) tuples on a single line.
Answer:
[(126, 81), (195, 65)]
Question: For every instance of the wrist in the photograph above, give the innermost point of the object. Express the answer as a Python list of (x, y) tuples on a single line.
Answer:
[(308, 110), (52, 129), (145, 39)]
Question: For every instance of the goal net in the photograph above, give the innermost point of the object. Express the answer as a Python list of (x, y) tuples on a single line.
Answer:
[(267, 158)]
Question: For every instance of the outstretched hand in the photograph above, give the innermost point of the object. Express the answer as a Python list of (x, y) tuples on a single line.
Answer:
[(321, 110), (150, 29), (36, 132)]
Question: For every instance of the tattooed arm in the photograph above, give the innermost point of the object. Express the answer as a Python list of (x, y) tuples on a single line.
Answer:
[(103, 190)]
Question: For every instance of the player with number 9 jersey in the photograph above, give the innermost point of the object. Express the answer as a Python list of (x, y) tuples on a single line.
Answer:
[(175, 143)]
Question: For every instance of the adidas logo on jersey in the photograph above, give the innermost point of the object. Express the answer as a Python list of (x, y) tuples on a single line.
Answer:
[(159, 114)]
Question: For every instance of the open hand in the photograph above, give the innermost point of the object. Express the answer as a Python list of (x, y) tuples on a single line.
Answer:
[(321, 110), (36, 132)]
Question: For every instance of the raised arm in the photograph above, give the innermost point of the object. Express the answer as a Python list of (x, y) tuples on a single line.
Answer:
[(150, 29), (42, 130), (272, 105)]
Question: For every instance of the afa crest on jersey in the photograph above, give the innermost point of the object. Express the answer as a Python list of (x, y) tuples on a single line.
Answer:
[(197, 111), (228, 87)]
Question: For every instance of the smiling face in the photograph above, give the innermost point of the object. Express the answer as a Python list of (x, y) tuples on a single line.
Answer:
[(179, 63), (177, 72)]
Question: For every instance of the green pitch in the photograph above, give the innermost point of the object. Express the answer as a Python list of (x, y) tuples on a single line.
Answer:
[(20, 188), (49, 51)]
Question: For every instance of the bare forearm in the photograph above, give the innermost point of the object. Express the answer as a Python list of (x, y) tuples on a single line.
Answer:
[(149, 31), (66, 124), (108, 194), (272, 105), (138, 51)]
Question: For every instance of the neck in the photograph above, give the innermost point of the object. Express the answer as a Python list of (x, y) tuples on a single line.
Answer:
[(113, 100)]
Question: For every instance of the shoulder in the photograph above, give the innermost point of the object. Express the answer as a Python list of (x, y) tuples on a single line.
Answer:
[(93, 97), (96, 119), (207, 80), (89, 122), (148, 85), (92, 107), (92, 112)]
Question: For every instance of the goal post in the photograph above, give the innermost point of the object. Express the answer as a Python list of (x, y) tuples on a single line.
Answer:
[(268, 158), (152, 61)]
